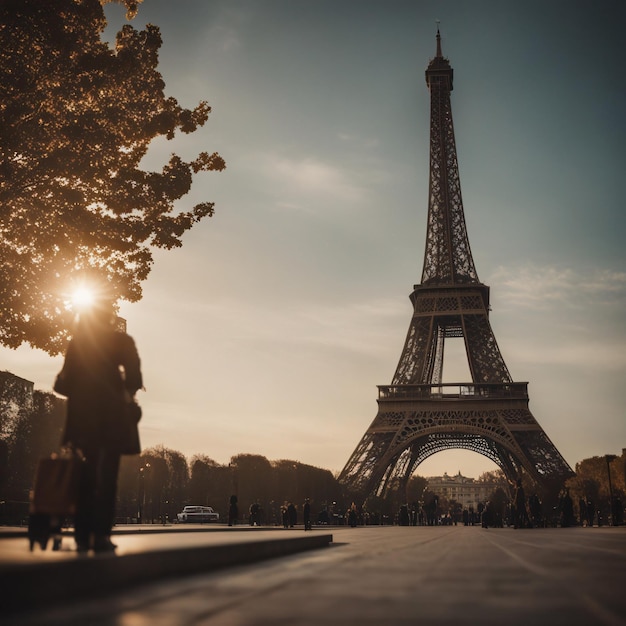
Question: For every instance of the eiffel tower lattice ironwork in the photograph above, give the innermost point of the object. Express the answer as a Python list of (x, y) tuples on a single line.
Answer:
[(418, 415)]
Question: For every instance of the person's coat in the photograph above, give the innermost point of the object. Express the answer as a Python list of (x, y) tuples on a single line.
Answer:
[(100, 376)]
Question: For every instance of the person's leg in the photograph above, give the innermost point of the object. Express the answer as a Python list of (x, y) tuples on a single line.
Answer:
[(83, 519), (104, 513)]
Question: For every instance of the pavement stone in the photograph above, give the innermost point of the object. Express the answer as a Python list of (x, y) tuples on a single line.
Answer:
[(440, 576), (42, 578)]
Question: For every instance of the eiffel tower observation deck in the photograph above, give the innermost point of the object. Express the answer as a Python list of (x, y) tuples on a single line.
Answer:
[(418, 414)]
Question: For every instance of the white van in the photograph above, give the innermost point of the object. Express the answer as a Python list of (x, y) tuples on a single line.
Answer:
[(198, 514)]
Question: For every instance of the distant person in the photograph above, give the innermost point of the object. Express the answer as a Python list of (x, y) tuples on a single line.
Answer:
[(306, 514), (403, 516), (566, 507), (352, 516), (100, 377), (521, 514), (233, 511), (591, 512), (255, 514), (617, 511), (284, 511), (431, 510), (582, 511), (292, 514), (536, 511)]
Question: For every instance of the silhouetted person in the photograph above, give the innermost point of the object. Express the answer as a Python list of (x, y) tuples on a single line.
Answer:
[(536, 513), (591, 513), (487, 518), (567, 510), (233, 511), (521, 515), (292, 514), (403, 517), (431, 510), (617, 509), (306, 514), (255, 514), (479, 512), (352, 516), (100, 377)]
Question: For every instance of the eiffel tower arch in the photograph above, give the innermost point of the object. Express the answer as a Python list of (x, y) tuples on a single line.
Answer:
[(419, 415)]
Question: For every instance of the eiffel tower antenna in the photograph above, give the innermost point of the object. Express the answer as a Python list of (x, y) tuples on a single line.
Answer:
[(418, 414)]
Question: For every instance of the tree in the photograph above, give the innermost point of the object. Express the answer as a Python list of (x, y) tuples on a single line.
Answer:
[(294, 481), (497, 507), (38, 437), (252, 477), (210, 484), (591, 484), (131, 487), (154, 477), (200, 479), (496, 477), (76, 119), (16, 405), (415, 489), (31, 423), (164, 477), (175, 495)]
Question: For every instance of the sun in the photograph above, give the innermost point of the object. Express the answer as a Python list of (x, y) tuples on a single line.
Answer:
[(83, 298)]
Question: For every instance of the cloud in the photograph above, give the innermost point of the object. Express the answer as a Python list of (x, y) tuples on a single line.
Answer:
[(604, 354), (362, 327), (357, 141), (542, 288), (226, 32), (226, 37), (312, 176), (562, 316)]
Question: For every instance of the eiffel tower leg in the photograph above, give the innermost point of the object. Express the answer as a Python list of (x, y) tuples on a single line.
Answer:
[(418, 357), (363, 473), (484, 357), (397, 478)]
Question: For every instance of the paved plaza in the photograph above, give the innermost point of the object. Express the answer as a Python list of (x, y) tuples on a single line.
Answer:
[(383, 575)]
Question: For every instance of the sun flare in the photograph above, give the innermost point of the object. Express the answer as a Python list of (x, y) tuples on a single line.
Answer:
[(82, 298)]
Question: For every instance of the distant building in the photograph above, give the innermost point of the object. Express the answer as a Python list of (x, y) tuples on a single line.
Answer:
[(7, 380), (16, 396), (467, 491)]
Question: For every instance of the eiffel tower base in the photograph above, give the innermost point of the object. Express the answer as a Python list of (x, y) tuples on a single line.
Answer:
[(416, 421)]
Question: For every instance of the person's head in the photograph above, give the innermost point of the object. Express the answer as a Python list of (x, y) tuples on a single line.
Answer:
[(99, 316)]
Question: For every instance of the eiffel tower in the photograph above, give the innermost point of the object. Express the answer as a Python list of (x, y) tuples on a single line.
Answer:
[(418, 415)]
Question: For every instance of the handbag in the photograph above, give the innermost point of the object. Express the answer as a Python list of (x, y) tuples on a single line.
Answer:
[(129, 435), (56, 485), (133, 411)]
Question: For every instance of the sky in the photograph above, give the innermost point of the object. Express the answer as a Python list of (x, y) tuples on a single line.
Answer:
[(268, 331)]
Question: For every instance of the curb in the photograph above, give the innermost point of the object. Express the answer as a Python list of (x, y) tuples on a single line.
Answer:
[(16, 532), (27, 586)]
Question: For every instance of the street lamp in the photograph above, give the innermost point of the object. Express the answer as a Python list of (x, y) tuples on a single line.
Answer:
[(141, 495), (612, 506), (141, 492)]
